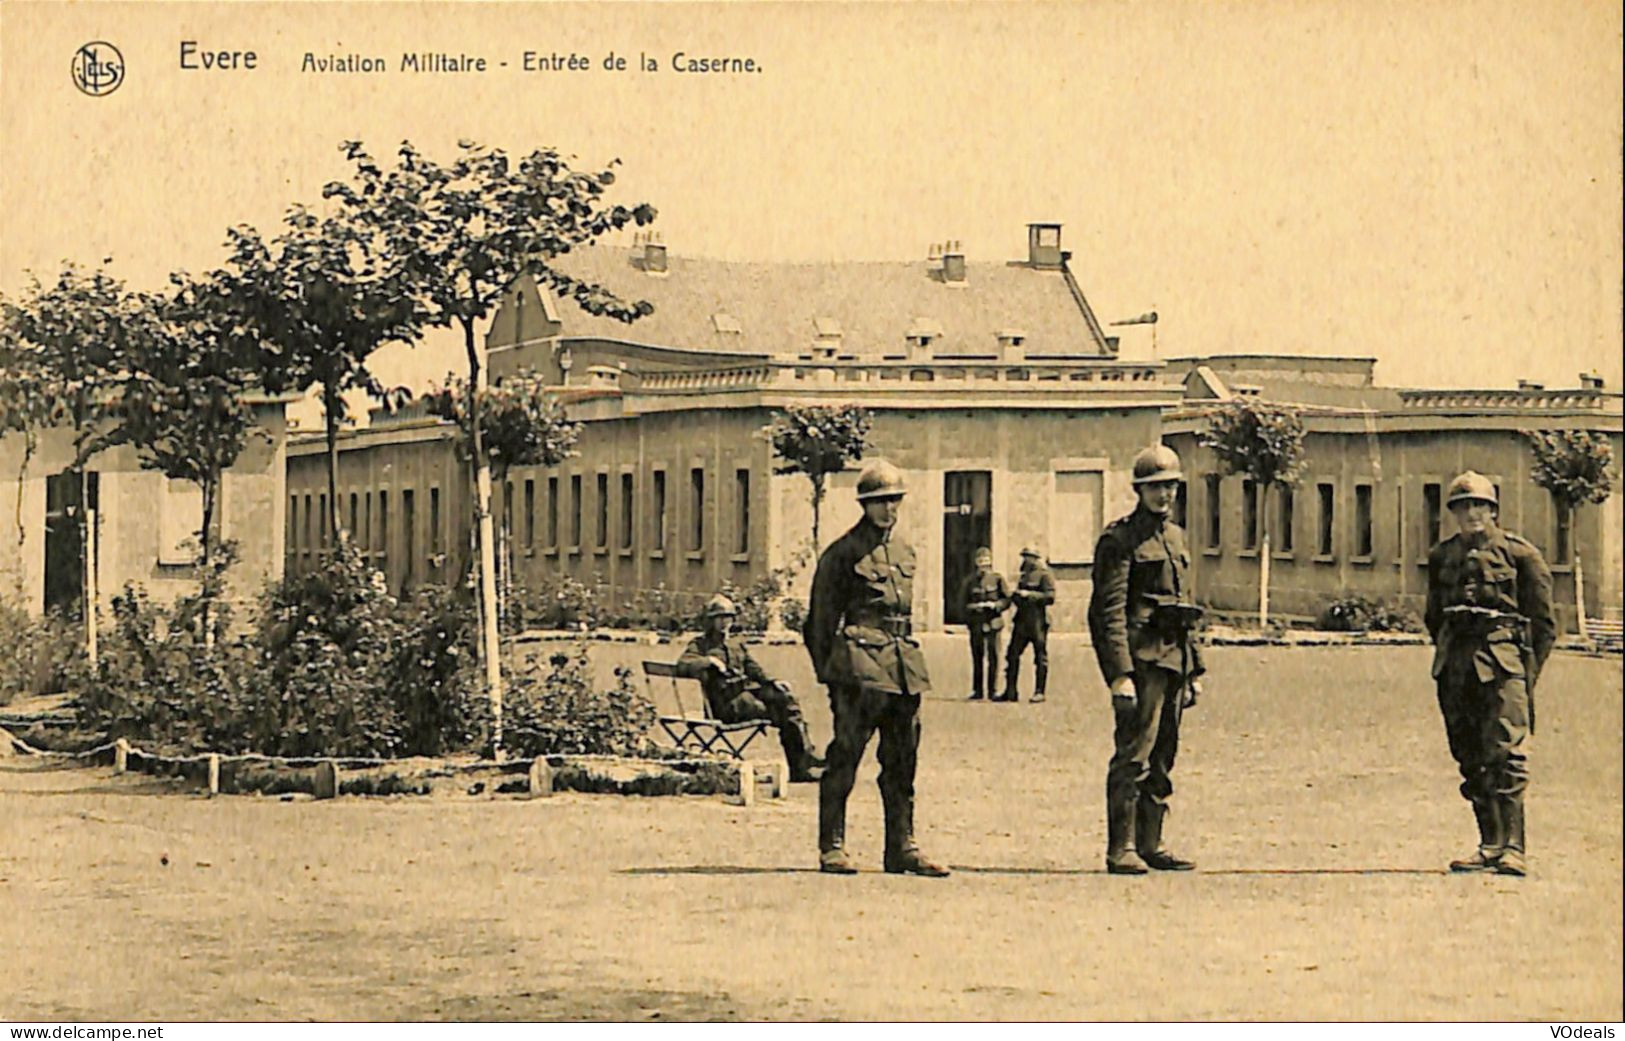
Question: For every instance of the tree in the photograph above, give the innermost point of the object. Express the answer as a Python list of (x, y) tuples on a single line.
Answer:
[(818, 440), (325, 295), (521, 424), (463, 233), (1577, 467), (187, 410), (1263, 441), (69, 343)]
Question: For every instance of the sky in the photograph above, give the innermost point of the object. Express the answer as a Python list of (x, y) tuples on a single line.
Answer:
[(1434, 184)]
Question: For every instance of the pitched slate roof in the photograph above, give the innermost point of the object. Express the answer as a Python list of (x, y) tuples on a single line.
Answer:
[(780, 308)]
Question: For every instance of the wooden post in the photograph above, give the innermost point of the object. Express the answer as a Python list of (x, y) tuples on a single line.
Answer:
[(747, 783), (541, 778), (327, 780), (121, 755), (214, 774)]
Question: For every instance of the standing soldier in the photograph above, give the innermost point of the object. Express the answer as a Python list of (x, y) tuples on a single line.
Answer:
[(1035, 591), (1489, 611), (985, 597), (1140, 620), (860, 638), (738, 690)]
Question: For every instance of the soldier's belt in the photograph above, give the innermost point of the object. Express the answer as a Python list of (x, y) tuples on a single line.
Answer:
[(892, 625)]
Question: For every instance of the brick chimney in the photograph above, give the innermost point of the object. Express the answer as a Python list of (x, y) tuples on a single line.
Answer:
[(1590, 381), (1044, 246), (953, 262), (827, 337), (652, 246)]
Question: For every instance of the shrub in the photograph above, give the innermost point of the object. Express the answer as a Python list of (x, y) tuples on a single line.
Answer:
[(793, 613), (552, 707), (557, 602), (36, 654), (1358, 614)]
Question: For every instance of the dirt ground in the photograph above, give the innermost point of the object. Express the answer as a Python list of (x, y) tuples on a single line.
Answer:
[(1314, 788)]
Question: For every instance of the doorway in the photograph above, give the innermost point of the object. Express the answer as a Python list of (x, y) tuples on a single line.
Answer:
[(967, 523), (64, 550)]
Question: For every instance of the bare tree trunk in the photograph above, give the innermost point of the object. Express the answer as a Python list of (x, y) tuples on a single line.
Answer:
[(209, 491), (482, 513), (1264, 559), (330, 406), (87, 535), (1579, 575)]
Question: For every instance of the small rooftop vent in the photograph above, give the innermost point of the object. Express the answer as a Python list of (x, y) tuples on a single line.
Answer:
[(827, 337), (650, 248)]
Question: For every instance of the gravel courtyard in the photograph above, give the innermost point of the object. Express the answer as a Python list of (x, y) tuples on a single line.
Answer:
[(1314, 789)]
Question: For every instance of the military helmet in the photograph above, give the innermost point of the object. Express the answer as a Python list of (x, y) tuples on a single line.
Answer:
[(1030, 550), (1472, 485), (720, 605), (880, 480), (1156, 464), (984, 555)]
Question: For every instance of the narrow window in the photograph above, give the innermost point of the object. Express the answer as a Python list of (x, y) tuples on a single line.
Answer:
[(530, 513), (553, 512), (1363, 537), (306, 540), (575, 510), (696, 483), (507, 516), (383, 527), (1249, 514), (742, 516), (436, 542), (1431, 517), (1283, 514), (409, 533), (602, 541), (1181, 493), (293, 523), (626, 511), (1327, 504), (1215, 527), (321, 504), (1563, 531), (660, 510), (355, 512)]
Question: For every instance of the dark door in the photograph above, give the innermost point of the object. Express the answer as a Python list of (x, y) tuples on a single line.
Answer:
[(967, 523), (64, 549)]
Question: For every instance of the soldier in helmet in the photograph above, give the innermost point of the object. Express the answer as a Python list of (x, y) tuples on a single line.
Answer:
[(1489, 611), (1141, 619), (860, 639), (1035, 591), (738, 690), (986, 597)]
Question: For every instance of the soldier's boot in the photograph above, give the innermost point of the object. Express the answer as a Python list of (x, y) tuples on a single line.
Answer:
[(903, 856), (1490, 839), (804, 766), (1148, 838), (1012, 677), (1120, 858), (1512, 856), (1040, 677), (832, 858)]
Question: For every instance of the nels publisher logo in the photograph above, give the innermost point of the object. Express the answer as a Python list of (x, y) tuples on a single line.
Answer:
[(98, 68)]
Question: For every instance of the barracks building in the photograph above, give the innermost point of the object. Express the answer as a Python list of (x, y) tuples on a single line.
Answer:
[(992, 385)]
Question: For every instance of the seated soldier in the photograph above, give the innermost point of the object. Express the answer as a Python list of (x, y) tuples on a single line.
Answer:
[(737, 690)]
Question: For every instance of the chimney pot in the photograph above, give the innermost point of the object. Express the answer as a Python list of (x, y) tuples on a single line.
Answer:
[(1044, 246)]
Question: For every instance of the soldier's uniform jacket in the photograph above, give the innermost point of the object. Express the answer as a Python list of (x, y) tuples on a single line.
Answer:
[(858, 629), (1505, 574), (985, 587), (695, 664), (1138, 557), (1032, 613)]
